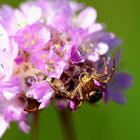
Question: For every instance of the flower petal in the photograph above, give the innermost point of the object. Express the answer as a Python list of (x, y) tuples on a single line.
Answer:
[(86, 18), (93, 57), (31, 12), (118, 97), (101, 48), (3, 126), (42, 92), (76, 57), (4, 41), (24, 126)]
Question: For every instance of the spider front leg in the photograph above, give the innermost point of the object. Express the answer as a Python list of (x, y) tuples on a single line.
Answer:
[(103, 74), (110, 75), (83, 74), (77, 96), (80, 92), (77, 92), (59, 91), (79, 105)]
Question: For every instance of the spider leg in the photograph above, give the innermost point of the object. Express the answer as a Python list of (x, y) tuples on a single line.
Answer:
[(60, 92), (63, 93), (93, 69), (103, 74), (79, 105), (111, 73), (80, 92), (82, 74), (73, 94), (106, 69), (77, 91)]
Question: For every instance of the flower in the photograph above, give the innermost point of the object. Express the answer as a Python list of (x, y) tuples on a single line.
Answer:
[(49, 52)]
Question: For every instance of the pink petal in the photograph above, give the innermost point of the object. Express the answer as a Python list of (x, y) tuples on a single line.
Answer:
[(87, 18), (95, 27), (101, 48), (31, 12), (93, 57), (45, 34), (3, 126), (24, 126), (4, 41)]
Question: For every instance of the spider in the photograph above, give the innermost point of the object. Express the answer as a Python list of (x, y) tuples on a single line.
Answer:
[(91, 87)]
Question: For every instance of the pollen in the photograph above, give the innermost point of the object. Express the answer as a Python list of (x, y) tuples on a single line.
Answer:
[(57, 46), (27, 35), (88, 50), (26, 45), (33, 42), (51, 62), (43, 56), (91, 45), (83, 47), (50, 69)]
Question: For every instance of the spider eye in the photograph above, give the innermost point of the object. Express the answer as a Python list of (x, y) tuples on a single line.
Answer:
[(95, 96)]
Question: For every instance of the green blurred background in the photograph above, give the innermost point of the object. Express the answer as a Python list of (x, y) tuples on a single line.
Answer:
[(103, 122)]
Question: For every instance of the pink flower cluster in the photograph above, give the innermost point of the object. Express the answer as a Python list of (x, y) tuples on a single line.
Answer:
[(41, 41)]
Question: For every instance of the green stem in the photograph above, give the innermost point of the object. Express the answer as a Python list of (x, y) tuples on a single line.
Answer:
[(35, 127), (67, 125)]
